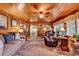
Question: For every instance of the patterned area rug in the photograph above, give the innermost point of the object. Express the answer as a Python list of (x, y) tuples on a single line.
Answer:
[(38, 48)]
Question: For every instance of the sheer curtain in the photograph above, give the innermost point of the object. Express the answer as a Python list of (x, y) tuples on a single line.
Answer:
[(71, 26), (58, 26)]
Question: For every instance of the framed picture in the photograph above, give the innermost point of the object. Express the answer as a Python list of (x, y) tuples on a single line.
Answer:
[(3, 21), (14, 23), (21, 25)]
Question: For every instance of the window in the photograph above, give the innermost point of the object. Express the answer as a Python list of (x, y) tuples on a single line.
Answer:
[(71, 27), (77, 25), (58, 26), (46, 27)]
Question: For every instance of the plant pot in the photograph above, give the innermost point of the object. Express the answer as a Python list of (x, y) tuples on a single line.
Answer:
[(77, 40)]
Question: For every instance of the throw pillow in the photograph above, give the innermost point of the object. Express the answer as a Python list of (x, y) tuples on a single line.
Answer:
[(9, 38), (17, 36)]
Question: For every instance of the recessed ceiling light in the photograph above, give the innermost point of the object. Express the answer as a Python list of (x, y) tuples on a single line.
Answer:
[(41, 9)]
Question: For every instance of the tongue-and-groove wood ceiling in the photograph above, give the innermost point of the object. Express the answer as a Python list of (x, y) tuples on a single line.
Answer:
[(51, 12)]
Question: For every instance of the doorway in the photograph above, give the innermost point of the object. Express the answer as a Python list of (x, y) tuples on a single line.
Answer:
[(33, 31)]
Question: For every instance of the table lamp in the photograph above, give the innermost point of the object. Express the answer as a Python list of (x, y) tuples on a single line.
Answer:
[(62, 31)]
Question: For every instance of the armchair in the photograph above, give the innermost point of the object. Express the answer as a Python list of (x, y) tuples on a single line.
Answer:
[(50, 43)]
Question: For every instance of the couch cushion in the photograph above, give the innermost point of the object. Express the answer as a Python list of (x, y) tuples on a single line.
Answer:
[(10, 49), (1, 47)]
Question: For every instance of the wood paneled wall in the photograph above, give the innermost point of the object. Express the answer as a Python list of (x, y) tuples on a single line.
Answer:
[(10, 28)]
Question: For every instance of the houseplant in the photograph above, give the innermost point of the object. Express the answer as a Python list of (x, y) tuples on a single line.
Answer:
[(58, 31), (76, 36)]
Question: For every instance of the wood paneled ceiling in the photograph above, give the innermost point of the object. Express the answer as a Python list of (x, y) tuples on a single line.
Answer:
[(51, 12)]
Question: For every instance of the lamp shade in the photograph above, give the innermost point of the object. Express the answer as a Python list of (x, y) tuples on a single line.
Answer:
[(62, 30)]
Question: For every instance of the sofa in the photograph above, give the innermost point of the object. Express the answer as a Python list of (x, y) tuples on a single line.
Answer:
[(9, 49)]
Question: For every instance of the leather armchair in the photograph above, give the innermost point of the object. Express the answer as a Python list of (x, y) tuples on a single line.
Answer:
[(50, 43)]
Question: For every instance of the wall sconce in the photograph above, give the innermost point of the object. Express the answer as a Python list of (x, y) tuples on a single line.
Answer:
[(17, 27), (20, 30)]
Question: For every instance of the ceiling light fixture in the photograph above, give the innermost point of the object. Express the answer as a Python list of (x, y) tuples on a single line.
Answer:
[(41, 15)]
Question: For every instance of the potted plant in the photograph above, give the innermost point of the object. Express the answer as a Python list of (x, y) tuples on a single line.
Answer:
[(58, 31), (76, 36)]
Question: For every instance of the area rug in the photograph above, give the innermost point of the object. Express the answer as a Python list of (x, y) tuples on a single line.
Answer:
[(38, 48)]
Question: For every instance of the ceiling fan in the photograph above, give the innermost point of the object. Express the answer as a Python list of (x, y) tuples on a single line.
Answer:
[(40, 9)]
